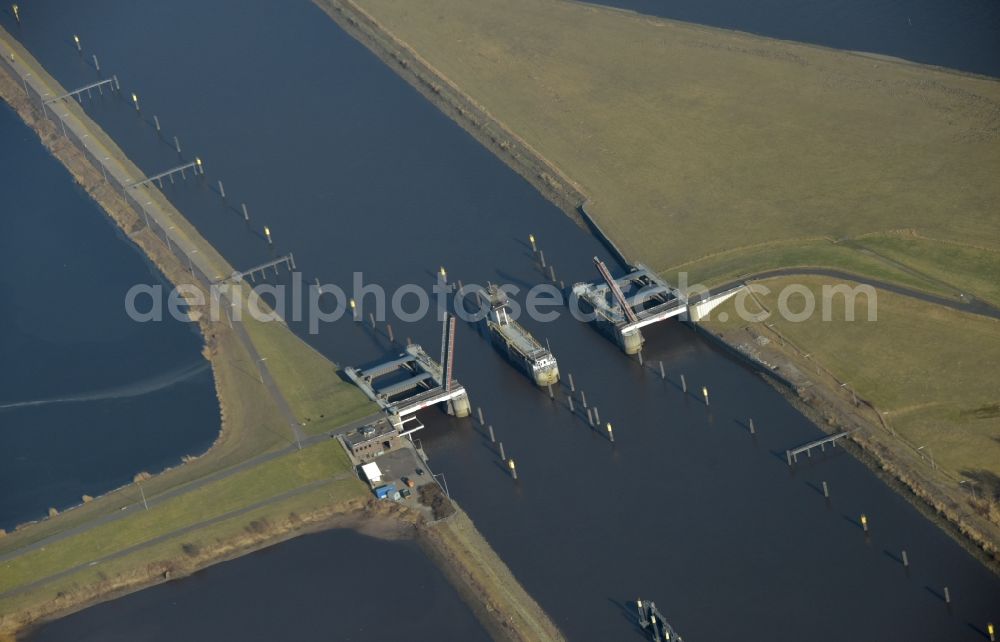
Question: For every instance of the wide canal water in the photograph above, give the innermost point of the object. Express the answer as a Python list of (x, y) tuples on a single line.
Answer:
[(87, 397), (353, 170)]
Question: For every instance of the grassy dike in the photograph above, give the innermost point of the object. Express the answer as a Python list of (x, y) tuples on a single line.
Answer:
[(252, 424), (253, 488), (691, 141), (725, 155)]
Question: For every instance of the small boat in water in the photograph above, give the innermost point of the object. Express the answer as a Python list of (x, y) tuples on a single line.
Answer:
[(653, 623), (516, 343)]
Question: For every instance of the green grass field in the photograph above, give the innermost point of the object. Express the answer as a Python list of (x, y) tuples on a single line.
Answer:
[(928, 369), (217, 498), (971, 270), (172, 548), (308, 380), (817, 253)]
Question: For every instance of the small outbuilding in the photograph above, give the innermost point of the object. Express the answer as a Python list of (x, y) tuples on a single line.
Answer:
[(387, 492), (371, 472)]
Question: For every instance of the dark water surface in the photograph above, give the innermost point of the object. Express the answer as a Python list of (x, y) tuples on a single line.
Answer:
[(336, 585), (87, 397), (353, 170), (963, 35)]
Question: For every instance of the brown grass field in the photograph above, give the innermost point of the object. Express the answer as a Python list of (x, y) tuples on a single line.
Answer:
[(692, 141)]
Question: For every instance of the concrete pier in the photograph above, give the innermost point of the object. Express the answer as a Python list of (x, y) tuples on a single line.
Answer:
[(792, 456), (194, 166), (78, 93), (288, 261)]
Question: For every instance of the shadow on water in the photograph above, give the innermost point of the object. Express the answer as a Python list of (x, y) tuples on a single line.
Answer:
[(627, 610)]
